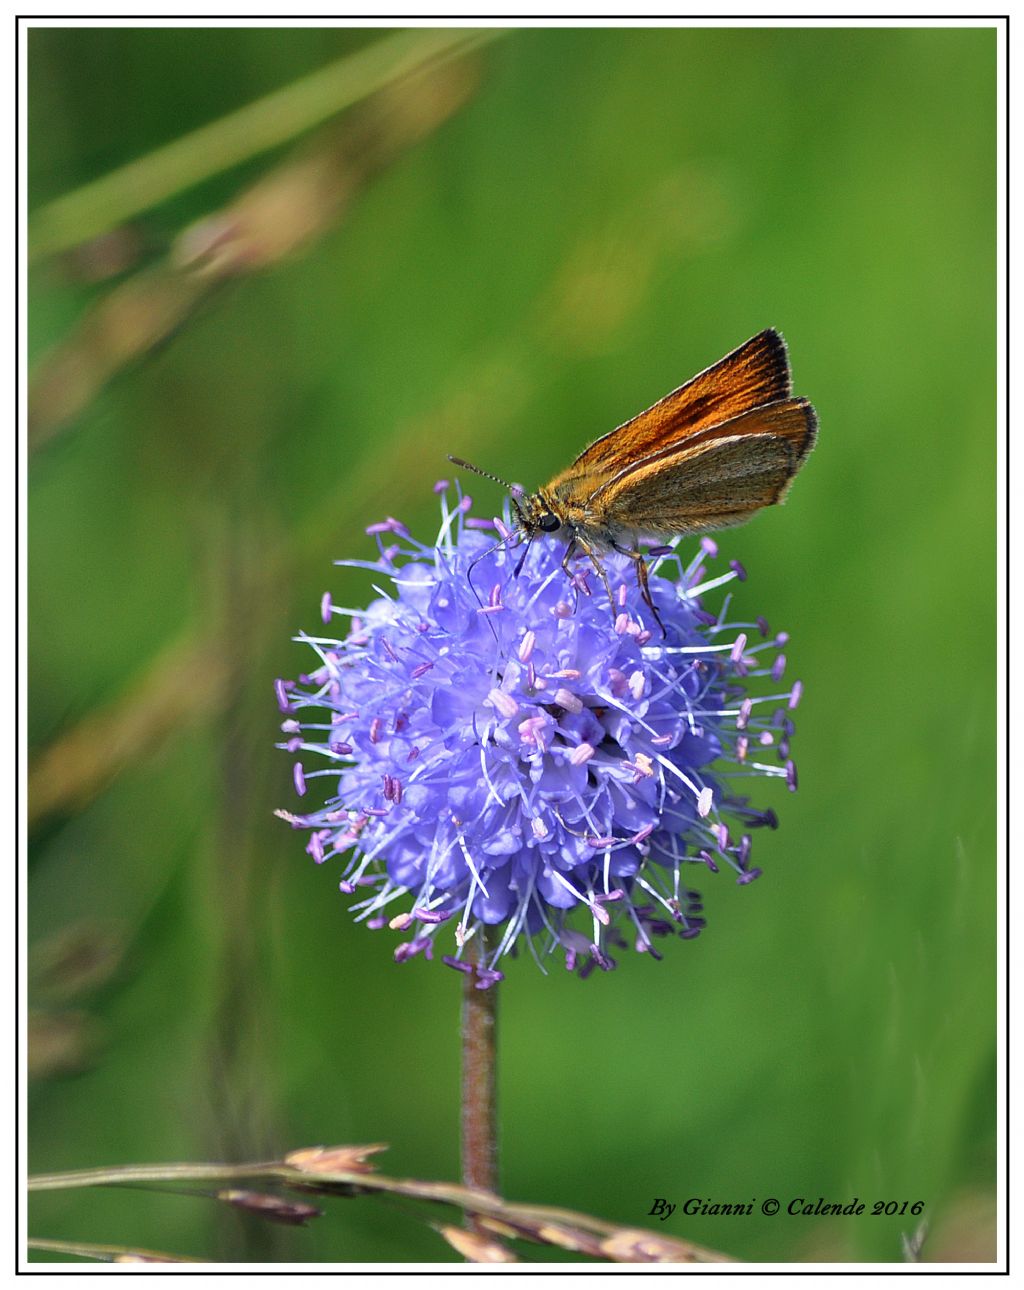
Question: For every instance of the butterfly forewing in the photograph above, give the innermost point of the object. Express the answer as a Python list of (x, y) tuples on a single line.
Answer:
[(715, 478), (754, 374)]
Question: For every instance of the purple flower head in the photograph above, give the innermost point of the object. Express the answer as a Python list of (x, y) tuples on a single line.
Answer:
[(493, 745)]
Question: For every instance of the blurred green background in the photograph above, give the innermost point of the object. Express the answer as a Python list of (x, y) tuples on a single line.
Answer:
[(601, 214)]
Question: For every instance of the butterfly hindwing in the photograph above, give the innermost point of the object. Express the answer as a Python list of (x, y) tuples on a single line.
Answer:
[(715, 478)]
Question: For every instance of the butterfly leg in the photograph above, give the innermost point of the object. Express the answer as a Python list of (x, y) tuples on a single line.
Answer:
[(642, 583), (600, 570)]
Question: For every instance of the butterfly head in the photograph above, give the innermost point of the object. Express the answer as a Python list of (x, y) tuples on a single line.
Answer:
[(536, 515)]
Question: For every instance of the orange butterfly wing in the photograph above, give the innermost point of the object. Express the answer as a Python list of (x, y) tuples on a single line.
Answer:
[(755, 373)]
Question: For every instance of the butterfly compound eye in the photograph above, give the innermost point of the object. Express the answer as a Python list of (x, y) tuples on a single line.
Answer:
[(548, 522)]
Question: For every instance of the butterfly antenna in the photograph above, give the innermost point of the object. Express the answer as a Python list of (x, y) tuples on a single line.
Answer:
[(472, 565), (522, 558), (468, 465)]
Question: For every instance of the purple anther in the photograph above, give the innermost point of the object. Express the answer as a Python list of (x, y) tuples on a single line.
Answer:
[(637, 684), (457, 964), (442, 486), (432, 915), (581, 754), (532, 730), (741, 748), (782, 638), (569, 701), (656, 551), (610, 897), (738, 646), (778, 667), (414, 752), (743, 855), (622, 595), (709, 860), (762, 625), (766, 738), (299, 778), (746, 707), (526, 646), (346, 888), (316, 847), (795, 694), (621, 623), (749, 876), (503, 703), (791, 778), (282, 696), (603, 961), (738, 570), (643, 637), (705, 801), (376, 726), (326, 606), (294, 744), (421, 669), (709, 546), (382, 526), (478, 522)]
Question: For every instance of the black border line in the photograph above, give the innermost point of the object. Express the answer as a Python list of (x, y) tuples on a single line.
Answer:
[(467, 21)]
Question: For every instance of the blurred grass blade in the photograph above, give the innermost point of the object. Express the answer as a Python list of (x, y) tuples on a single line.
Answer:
[(297, 201), (541, 1224), (106, 1253), (102, 205)]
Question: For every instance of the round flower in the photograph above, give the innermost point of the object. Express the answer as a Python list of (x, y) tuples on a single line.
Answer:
[(496, 747)]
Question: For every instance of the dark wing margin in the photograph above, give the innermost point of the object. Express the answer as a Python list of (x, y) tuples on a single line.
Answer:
[(755, 373)]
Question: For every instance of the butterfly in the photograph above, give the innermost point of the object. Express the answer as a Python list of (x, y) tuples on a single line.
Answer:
[(709, 455)]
